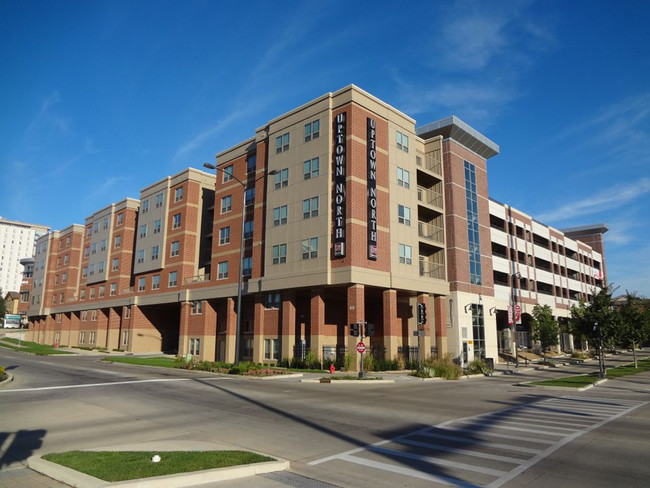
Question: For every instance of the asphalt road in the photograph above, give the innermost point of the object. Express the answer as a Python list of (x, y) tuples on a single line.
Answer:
[(477, 432)]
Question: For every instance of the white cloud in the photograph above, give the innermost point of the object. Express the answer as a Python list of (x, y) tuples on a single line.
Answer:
[(611, 198)]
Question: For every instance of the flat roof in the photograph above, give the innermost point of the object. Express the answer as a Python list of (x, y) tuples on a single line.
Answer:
[(586, 229), (454, 128)]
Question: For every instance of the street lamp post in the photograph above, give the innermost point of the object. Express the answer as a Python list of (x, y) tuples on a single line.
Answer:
[(241, 248)]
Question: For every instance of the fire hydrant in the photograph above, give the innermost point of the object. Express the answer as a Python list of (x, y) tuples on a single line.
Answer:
[(332, 369)]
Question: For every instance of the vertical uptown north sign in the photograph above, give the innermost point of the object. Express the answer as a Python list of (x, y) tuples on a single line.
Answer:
[(372, 188), (339, 185)]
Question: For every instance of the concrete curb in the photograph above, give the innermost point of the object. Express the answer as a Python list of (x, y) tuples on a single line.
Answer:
[(561, 388), (81, 480), (8, 379), (351, 382), (277, 376)]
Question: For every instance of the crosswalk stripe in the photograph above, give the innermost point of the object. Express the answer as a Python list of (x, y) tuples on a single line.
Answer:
[(466, 452), (496, 445)]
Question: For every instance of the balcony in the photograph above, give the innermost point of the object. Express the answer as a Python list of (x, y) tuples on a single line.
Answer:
[(430, 197), (125, 291), (431, 232), (202, 278), (431, 163), (432, 270)]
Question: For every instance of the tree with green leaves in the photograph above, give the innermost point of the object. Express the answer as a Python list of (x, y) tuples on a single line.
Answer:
[(544, 328), (635, 322), (3, 307), (598, 322)]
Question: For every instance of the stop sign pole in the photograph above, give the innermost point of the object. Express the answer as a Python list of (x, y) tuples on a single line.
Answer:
[(361, 348)]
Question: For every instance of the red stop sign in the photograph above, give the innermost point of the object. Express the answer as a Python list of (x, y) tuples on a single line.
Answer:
[(361, 347)]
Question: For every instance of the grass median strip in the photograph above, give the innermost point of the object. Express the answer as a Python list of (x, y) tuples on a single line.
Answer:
[(588, 379), (130, 465), (156, 361), (30, 347)]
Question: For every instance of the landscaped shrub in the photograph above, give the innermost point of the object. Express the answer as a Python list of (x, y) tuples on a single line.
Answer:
[(3, 374), (311, 361), (478, 366), (181, 363), (441, 368), (386, 364), (401, 362), (348, 362), (368, 362)]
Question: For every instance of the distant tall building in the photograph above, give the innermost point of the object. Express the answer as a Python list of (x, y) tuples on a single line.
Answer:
[(17, 240)]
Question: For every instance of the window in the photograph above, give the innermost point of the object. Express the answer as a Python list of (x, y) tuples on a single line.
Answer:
[(155, 252), (227, 173), (92, 293), (271, 349), (145, 206), (116, 264), (143, 230), (282, 178), (64, 278), (86, 252), (197, 307), (280, 254), (403, 215), (280, 215), (142, 283), (311, 168), (178, 194), (405, 256), (141, 256), (249, 196), (312, 130), (403, 178), (102, 290), (248, 229), (91, 336), (89, 231), (82, 337), (82, 295), (226, 204), (93, 316), (155, 282), (272, 300), (93, 248), (402, 142), (100, 267), (59, 319), (224, 236), (474, 243), (156, 226), (310, 208), (105, 223), (127, 312), (62, 298), (118, 241), (102, 246), (84, 315), (282, 143), (160, 199), (66, 258), (92, 269), (310, 248), (125, 335), (195, 347), (175, 249), (248, 266), (113, 289), (223, 270), (251, 163), (173, 278), (177, 221), (478, 331), (96, 227), (67, 240), (120, 217)]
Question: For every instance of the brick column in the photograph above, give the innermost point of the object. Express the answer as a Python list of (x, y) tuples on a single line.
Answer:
[(356, 313), (317, 322), (440, 323), (288, 325), (113, 332), (258, 329), (184, 329), (392, 332), (231, 328), (209, 348)]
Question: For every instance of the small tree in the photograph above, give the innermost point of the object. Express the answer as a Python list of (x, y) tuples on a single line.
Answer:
[(3, 307), (544, 328), (635, 323)]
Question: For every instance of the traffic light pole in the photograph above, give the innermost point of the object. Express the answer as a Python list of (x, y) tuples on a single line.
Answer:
[(361, 373)]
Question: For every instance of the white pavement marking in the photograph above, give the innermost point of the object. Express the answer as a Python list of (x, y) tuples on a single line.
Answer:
[(111, 383), (576, 411)]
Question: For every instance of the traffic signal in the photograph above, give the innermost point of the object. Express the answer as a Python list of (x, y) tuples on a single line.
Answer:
[(422, 314), (354, 329), (370, 330)]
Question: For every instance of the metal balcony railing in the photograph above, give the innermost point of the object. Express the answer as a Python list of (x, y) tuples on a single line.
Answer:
[(432, 270), (431, 162), (429, 196), (197, 279), (431, 232)]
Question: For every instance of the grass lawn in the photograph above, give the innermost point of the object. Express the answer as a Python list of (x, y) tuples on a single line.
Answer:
[(584, 380), (158, 361), (31, 347), (129, 465)]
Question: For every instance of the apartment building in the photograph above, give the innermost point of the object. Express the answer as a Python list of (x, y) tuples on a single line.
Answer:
[(340, 211), (17, 240)]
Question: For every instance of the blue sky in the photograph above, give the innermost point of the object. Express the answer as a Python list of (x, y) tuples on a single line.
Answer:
[(98, 99)]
